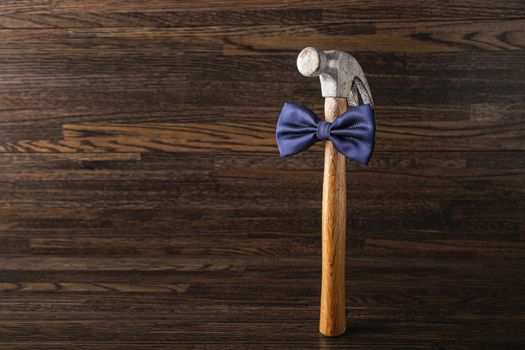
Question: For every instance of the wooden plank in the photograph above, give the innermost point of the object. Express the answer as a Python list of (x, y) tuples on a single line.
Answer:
[(259, 137), (420, 37), (72, 14), (408, 37)]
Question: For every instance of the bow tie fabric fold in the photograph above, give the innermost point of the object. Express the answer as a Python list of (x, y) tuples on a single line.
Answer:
[(352, 133)]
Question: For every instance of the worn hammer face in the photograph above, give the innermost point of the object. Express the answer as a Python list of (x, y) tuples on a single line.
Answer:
[(339, 72)]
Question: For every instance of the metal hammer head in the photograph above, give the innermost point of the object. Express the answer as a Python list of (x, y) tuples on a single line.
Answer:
[(339, 72)]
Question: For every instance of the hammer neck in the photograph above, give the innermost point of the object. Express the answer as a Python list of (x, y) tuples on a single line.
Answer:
[(334, 107)]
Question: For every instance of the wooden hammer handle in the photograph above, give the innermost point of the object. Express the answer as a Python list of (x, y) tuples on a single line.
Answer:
[(333, 309)]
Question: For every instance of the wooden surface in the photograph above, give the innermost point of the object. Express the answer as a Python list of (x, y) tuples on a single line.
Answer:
[(143, 203), (332, 321)]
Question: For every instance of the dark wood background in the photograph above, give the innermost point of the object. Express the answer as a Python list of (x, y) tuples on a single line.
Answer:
[(143, 203)]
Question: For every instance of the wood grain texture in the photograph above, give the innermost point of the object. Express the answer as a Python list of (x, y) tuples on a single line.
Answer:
[(333, 229), (143, 203)]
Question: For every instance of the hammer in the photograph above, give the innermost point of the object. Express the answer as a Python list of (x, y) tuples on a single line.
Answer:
[(342, 83)]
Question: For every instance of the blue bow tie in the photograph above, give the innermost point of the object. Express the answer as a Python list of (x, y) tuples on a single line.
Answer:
[(352, 133)]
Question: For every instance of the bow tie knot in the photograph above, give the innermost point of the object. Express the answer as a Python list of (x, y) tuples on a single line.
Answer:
[(323, 130), (352, 134)]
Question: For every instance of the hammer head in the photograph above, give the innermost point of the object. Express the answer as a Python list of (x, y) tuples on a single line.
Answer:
[(339, 72)]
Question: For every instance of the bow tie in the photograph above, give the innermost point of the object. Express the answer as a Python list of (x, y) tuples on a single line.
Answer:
[(352, 133)]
